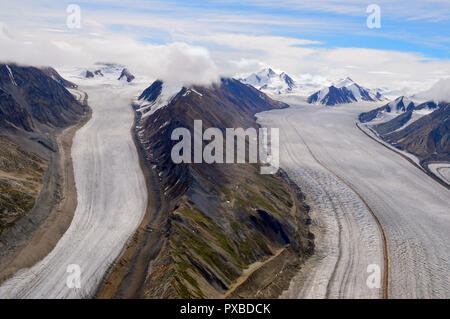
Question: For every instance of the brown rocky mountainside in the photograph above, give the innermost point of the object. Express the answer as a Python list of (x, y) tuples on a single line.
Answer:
[(52, 73), (400, 104), (35, 109), (31, 99), (400, 120), (21, 178), (428, 137), (215, 220)]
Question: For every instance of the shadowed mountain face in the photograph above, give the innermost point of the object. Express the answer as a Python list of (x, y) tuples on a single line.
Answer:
[(399, 105), (333, 96), (151, 93), (125, 74), (12, 114), (21, 175), (421, 129), (344, 91), (30, 99), (394, 124), (428, 137), (51, 72), (230, 104), (407, 115), (221, 217), (372, 114), (35, 107)]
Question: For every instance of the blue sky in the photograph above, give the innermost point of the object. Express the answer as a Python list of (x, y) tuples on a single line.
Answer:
[(325, 37), (404, 28)]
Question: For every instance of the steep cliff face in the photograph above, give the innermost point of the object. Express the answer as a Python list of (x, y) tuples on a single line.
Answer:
[(52, 73), (30, 99), (400, 105), (228, 105), (12, 114), (221, 218), (21, 177), (35, 108), (428, 137), (344, 91)]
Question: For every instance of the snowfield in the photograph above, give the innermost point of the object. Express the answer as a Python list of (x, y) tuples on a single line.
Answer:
[(341, 167), (112, 199), (168, 92)]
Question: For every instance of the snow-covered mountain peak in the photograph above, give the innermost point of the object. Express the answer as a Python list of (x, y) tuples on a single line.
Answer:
[(288, 80), (344, 82), (270, 81), (268, 72), (344, 91), (400, 104), (260, 78), (156, 96)]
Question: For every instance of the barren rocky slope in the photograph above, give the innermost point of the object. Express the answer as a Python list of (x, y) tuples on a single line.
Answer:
[(214, 220), (35, 108), (21, 176), (428, 137)]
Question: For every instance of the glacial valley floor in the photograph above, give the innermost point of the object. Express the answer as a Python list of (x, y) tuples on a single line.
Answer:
[(370, 206)]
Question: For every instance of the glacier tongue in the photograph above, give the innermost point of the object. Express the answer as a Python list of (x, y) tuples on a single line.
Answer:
[(112, 199)]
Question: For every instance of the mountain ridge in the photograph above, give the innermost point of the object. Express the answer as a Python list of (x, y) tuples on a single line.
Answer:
[(344, 91), (219, 218)]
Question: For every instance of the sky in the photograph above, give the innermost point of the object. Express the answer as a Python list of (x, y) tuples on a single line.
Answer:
[(199, 41)]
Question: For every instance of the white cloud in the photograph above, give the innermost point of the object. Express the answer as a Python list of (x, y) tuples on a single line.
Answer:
[(180, 62), (409, 72), (440, 91), (236, 42), (252, 42)]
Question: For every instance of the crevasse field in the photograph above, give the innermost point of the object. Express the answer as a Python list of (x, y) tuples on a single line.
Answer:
[(413, 209)]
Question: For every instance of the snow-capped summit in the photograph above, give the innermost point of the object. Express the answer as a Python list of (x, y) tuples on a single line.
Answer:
[(397, 107), (288, 80), (344, 82), (359, 92), (276, 83), (344, 91), (400, 105), (158, 95), (269, 81), (267, 73)]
